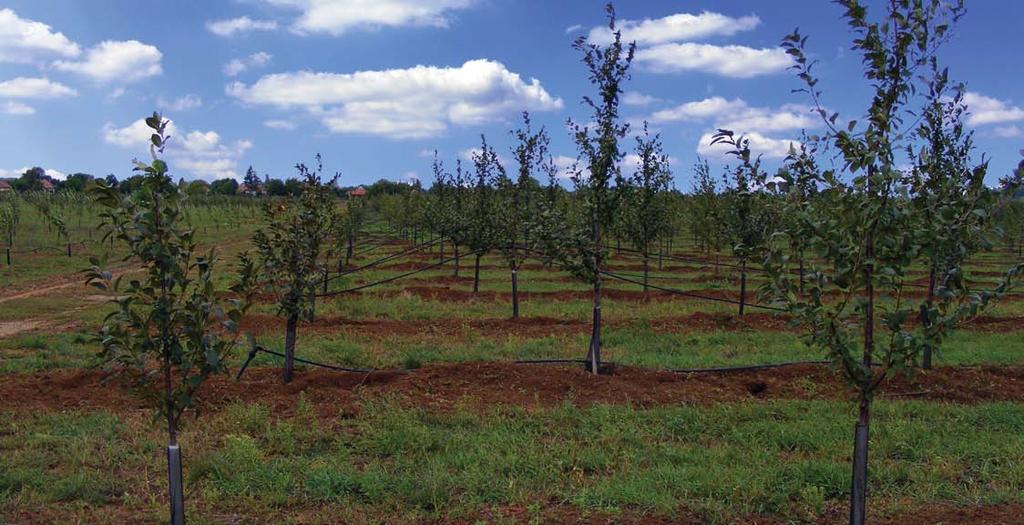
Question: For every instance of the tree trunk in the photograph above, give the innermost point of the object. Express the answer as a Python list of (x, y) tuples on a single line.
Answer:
[(647, 270), (326, 279), (440, 256), (174, 485), (289, 346), (926, 355), (594, 354), (456, 248), (801, 271), (476, 274), (743, 285), (859, 483), (515, 293), (349, 248), (69, 248)]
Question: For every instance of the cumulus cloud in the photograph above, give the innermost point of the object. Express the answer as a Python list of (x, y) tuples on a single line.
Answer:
[(737, 115), (14, 174), (729, 61), (183, 103), (199, 153), (679, 27), (244, 24), (122, 61), (16, 108), (335, 17), (751, 121), (280, 124), (418, 102), (26, 41), (573, 28), (34, 88), (1008, 132), (987, 110), (240, 65), (759, 145), (634, 98)]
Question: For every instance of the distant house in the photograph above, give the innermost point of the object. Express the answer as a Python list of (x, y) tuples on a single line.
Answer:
[(47, 185), (5, 186), (359, 191), (252, 191)]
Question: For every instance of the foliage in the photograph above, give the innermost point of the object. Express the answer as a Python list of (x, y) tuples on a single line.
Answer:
[(645, 215), (289, 246), (171, 328)]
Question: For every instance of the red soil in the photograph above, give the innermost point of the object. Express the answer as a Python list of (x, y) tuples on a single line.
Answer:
[(442, 385)]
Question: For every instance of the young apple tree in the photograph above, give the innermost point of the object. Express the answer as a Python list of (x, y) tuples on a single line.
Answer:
[(863, 227), (645, 215), (171, 329), (598, 167), (288, 251)]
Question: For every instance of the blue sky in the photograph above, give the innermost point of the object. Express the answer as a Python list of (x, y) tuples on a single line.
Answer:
[(376, 85)]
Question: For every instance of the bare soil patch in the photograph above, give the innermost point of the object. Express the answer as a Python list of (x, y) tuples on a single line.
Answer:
[(441, 386)]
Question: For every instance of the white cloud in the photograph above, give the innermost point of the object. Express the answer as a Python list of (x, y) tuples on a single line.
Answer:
[(338, 16), (1008, 132), (635, 98), (739, 116), (243, 24), (752, 122), (730, 61), (183, 103), (280, 124), (987, 110), (573, 28), (34, 88), (679, 27), (240, 65), (759, 145), (123, 61), (25, 41), (16, 108), (417, 102), (14, 174), (199, 153)]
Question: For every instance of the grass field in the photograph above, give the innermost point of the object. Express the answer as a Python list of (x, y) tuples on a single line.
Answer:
[(466, 435)]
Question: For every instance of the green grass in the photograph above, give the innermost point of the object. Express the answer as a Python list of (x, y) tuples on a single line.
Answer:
[(393, 464)]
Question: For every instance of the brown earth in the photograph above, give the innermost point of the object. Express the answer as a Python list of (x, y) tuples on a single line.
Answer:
[(440, 386)]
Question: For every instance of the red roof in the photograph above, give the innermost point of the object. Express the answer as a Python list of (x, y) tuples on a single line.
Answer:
[(47, 185), (4, 185), (358, 192)]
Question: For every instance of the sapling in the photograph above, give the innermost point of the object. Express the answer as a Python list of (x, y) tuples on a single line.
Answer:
[(481, 231), (747, 218), (517, 206), (645, 215), (862, 222), (171, 329), (598, 167), (288, 251)]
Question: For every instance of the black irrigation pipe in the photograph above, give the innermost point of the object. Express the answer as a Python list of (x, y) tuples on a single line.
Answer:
[(256, 349), (407, 251), (688, 294), (391, 279), (742, 368)]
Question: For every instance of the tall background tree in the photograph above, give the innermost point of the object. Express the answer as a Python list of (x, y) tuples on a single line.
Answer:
[(645, 215)]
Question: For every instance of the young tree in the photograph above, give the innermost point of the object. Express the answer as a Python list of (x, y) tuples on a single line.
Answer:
[(288, 249), (865, 241), (944, 188), (171, 329), (517, 203), (646, 211), (747, 219), (608, 68), (10, 214), (481, 231)]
